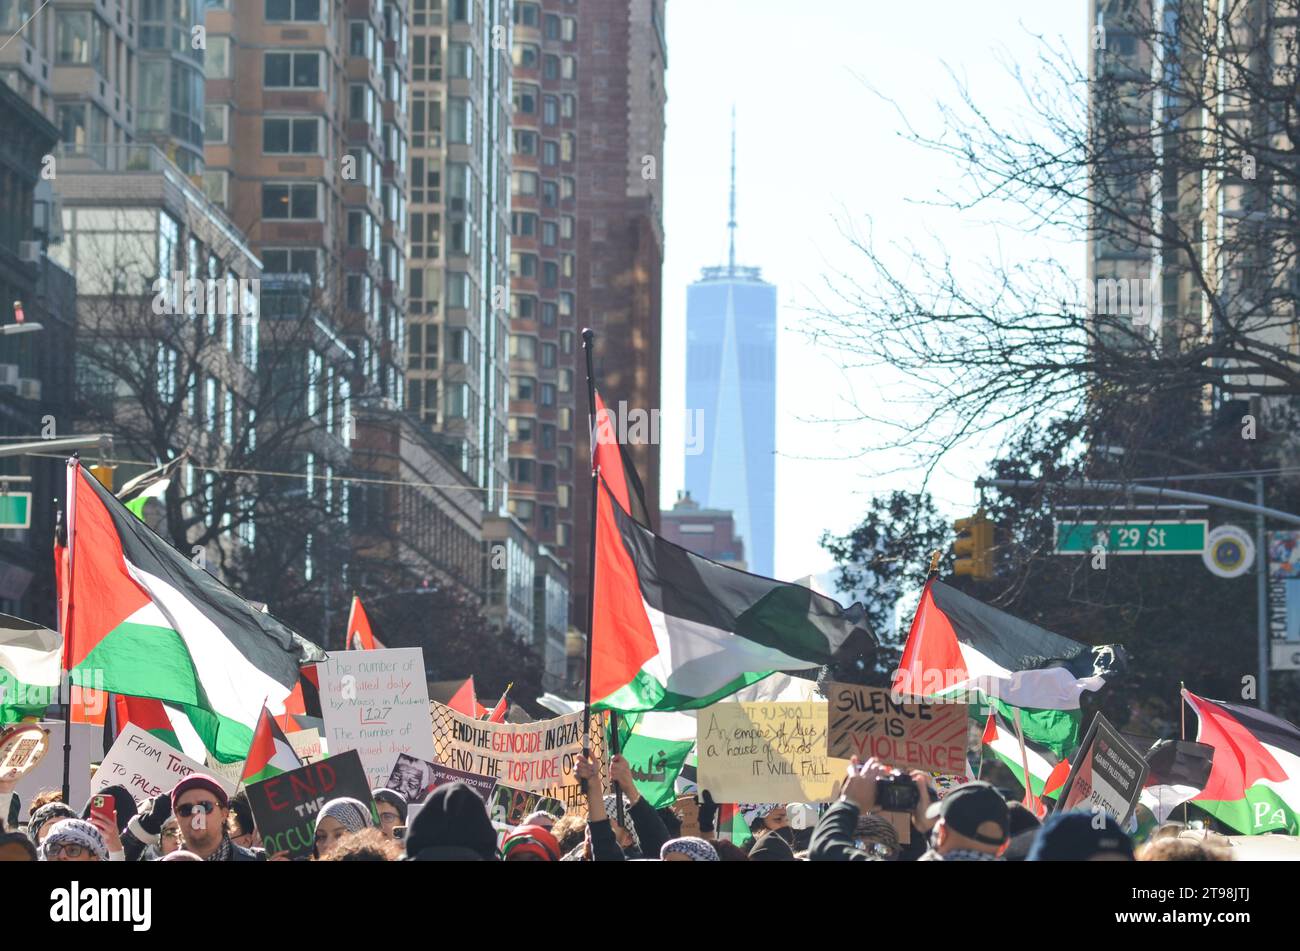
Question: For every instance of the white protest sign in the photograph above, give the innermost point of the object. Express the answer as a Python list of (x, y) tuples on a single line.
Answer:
[(307, 745), (146, 766), (377, 703)]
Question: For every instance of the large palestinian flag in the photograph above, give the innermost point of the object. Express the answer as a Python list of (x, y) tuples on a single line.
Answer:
[(142, 620), (958, 645), (674, 631), (1254, 782)]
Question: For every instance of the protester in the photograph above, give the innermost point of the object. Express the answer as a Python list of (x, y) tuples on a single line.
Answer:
[(877, 836), (42, 818), (201, 806), (1081, 837), (368, 845), (452, 826), (728, 851), (570, 833), (181, 855), (338, 819), (833, 839), (539, 818), (529, 843), (1023, 826), (392, 808), (650, 831), (16, 847), (169, 840), (972, 825), (688, 849), (240, 824), (1169, 849), (601, 844), (771, 848), (74, 840)]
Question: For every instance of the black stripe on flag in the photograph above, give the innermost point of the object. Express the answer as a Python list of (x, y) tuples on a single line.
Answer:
[(1265, 727)]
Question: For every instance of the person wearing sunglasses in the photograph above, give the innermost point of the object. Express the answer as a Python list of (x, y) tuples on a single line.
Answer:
[(201, 808), (74, 840)]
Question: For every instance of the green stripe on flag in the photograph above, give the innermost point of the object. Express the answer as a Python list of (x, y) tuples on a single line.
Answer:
[(1263, 810), (644, 694)]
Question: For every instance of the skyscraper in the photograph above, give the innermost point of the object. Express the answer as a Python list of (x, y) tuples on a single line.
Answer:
[(731, 382)]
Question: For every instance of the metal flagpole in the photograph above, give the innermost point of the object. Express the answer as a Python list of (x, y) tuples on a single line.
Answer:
[(70, 522), (1182, 728)]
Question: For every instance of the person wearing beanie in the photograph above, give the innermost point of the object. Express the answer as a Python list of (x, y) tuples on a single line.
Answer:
[(338, 819), (39, 822), (122, 846), (452, 826), (202, 807), (529, 843), (1081, 836), (392, 808), (74, 840), (689, 849)]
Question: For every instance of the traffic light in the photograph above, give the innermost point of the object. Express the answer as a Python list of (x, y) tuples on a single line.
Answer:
[(974, 546), (104, 474)]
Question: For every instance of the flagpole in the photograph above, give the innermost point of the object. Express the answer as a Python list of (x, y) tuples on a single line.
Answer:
[(1024, 762), (69, 507), (588, 339), (1182, 728)]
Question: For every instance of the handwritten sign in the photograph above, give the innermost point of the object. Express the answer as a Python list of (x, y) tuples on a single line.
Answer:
[(915, 734), (146, 766), (307, 744), (376, 702), (766, 752), (510, 806), (285, 806), (536, 757)]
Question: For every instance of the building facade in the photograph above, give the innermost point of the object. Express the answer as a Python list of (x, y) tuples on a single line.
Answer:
[(708, 532)]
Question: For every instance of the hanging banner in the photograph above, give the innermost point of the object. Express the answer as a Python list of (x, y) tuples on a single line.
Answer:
[(915, 734), (376, 702), (766, 752), (536, 757), (1107, 773)]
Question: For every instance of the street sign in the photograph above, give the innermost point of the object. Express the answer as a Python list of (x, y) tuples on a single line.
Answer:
[(1229, 551), (16, 510), (1136, 537), (1286, 655)]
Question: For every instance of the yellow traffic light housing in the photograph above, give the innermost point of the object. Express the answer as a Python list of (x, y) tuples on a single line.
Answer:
[(104, 474), (974, 547)]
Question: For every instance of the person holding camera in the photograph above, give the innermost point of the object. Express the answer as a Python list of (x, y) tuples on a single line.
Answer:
[(870, 788)]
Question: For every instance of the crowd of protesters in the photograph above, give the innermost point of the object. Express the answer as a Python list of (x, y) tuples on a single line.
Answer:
[(198, 821)]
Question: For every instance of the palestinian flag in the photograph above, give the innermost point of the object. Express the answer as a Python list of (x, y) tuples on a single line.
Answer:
[(656, 746), (1176, 771), (958, 645), (360, 636), (145, 622), (498, 714), (1254, 781), (29, 668), (616, 468), (1047, 774), (465, 701), (674, 631), (270, 753), (138, 492)]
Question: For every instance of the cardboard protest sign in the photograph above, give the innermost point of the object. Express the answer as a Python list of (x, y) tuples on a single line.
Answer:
[(915, 734), (285, 806), (536, 757), (509, 806), (146, 766), (416, 778), (766, 752), (1107, 773), (87, 748), (376, 702), (307, 745)]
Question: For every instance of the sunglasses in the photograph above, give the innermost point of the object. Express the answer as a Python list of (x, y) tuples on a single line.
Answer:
[(190, 808)]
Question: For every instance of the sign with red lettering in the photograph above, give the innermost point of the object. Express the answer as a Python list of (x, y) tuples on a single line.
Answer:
[(146, 766), (536, 757), (906, 734), (285, 806)]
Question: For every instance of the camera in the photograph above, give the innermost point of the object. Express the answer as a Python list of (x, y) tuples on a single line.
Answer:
[(897, 793)]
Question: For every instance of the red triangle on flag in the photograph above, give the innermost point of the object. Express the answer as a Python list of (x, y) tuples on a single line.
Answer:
[(360, 636), (932, 657), (464, 702)]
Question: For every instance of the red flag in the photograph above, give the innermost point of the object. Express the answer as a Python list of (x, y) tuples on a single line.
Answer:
[(360, 637), (499, 711), (1057, 777), (990, 729), (464, 701)]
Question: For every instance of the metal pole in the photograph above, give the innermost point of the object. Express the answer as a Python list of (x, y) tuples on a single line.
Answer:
[(1261, 593)]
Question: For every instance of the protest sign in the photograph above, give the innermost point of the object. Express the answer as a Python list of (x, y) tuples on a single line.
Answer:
[(146, 766), (285, 806), (509, 806), (87, 747), (376, 702), (766, 752), (416, 778), (536, 757), (914, 734), (307, 745), (1107, 773)]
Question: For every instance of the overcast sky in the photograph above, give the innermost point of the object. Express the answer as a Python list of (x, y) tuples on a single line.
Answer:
[(818, 153)]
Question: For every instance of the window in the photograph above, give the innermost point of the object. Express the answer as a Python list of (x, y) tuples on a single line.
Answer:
[(526, 99), (550, 110), (566, 304), (290, 202), (216, 186), (291, 136), (291, 71), (289, 261), (547, 394), (460, 121), (457, 399), (567, 186), (525, 142), (526, 14), (462, 61), (550, 152), (521, 429), (359, 37), (548, 355), (566, 227), (524, 183), (550, 67), (72, 29), (526, 56), (548, 314), (298, 11), (523, 307), (523, 388), (552, 30), (523, 347), (523, 265), (550, 274), (215, 126), (521, 470), (550, 233), (216, 58), (523, 224), (550, 194), (548, 436), (457, 345)]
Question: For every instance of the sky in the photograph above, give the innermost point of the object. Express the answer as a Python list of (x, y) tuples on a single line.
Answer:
[(819, 153)]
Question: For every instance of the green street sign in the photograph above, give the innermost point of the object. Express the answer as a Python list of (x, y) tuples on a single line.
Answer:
[(1135, 537), (16, 510)]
